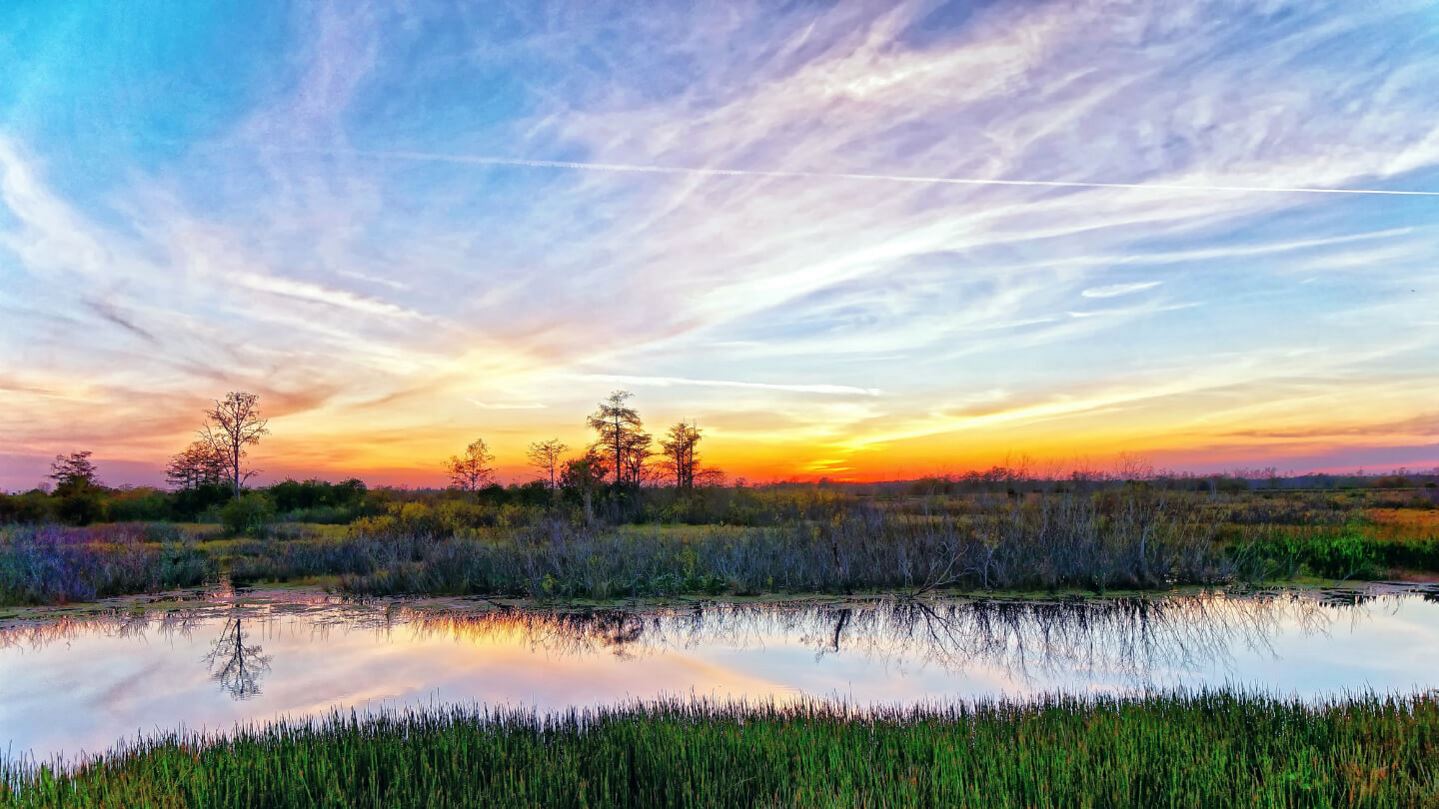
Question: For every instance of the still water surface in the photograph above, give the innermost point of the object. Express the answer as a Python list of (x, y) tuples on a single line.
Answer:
[(82, 683)]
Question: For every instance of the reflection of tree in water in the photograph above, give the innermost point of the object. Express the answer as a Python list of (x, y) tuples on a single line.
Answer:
[(236, 666), (1137, 639)]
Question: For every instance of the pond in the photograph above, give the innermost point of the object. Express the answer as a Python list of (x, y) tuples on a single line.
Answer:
[(82, 682)]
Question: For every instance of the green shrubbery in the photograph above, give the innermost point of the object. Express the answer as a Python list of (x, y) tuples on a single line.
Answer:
[(249, 514), (1348, 555)]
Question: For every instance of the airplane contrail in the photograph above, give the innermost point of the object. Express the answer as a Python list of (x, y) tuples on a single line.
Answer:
[(636, 168)]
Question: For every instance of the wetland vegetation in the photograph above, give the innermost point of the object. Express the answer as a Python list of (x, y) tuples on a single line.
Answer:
[(1205, 749), (776, 540), (769, 599), (621, 520)]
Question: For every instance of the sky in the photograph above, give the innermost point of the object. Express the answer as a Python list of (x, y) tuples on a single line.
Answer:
[(856, 241)]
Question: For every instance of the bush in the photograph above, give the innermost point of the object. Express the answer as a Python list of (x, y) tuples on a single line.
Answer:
[(250, 513), (137, 505), (199, 501), (34, 506), (80, 507)]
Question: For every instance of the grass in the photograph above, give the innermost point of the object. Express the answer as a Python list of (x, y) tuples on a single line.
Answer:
[(1130, 539), (1351, 553), (52, 565), (1209, 749)]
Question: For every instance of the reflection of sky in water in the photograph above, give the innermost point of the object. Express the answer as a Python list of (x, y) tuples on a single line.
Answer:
[(85, 683)]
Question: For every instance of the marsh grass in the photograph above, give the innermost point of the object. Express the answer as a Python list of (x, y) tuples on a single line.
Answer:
[(53, 565), (1114, 541), (1278, 554), (1207, 749), (1048, 543), (1119, 539)]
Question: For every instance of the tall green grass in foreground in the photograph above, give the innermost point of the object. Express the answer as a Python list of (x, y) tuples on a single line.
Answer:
[(1212, 749)]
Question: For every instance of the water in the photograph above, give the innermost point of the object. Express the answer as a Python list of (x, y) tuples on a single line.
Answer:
[(82, 683)]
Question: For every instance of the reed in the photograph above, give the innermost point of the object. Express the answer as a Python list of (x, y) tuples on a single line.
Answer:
[(52, 565), (1206, 749)]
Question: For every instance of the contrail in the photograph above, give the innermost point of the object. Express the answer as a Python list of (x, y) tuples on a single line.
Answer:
[(635, 168)]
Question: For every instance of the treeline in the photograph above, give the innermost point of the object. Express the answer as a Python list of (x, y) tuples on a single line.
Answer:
[(208, 478), (624, 475), (82, 504), (1007, 480)]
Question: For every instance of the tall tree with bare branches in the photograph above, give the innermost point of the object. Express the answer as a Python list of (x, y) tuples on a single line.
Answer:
[(471, 471), (232, 425), (546, 457)]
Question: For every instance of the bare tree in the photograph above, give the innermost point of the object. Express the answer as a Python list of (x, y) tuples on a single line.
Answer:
[(197, 465), (681, 458), (232, 425), (546, 457), (73, 471), (621, 436), (472, 471), (236, 666)]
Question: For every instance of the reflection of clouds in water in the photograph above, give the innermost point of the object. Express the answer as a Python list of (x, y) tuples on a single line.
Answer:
[(1117, 644), (85, 681)]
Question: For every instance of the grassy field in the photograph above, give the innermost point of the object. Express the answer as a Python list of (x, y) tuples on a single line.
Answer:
[(1100, 542), (1208, 750)]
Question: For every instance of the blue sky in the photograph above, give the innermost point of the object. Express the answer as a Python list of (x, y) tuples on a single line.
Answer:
[(407, 226)]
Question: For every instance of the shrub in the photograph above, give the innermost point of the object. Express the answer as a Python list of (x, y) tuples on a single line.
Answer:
[(137, 505), (31, 507), (249, 514)]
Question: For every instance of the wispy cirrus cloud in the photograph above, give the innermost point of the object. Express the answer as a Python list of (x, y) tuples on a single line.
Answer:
[(671, 381), (1116, 290), (448, 224)]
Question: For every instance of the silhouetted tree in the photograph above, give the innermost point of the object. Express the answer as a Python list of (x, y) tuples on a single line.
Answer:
[(546, 457), (199, 464), (637, 458), (472, 471), (582, 477), (72, 473), (77, 489), (233, 424), (681, 456), (621, 436)]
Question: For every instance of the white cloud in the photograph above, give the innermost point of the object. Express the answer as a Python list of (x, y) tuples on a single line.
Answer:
[(1116, 290), (671, 381)]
